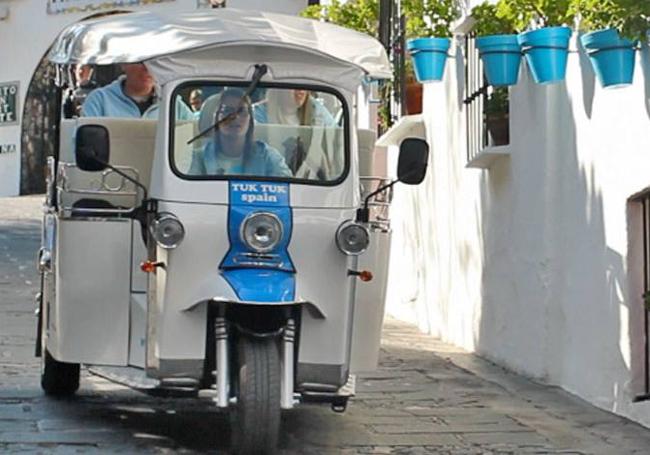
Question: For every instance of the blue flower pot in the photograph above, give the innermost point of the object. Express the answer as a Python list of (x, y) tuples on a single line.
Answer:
[(612, 57), (547, 52), (501, 55), (429, 57)]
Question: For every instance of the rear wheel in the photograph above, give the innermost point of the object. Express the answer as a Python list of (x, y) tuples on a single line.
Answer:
[(58, 379), (256, 422)]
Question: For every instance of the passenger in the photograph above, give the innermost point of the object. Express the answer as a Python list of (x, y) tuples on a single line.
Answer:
[(232, 149), (131, 95), (84, 84), (196, 100), (293, 107)]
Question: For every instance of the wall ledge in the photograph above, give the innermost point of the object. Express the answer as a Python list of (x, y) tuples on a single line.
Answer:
[(488, 156), (406, 126)]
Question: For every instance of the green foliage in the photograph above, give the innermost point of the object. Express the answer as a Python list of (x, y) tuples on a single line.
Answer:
[(546, 13), (630, 17), (430, 18), (490, 22), (498, 102), (424, 18), (360, 15)]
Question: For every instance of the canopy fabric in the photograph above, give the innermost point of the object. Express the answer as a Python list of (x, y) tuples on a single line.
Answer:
[(148, 36)]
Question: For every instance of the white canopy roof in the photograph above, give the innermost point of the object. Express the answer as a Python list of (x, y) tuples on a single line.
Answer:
[(161, 40)]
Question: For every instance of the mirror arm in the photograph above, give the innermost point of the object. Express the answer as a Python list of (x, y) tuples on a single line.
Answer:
[(147, 209), (126, 176), (363, 214)]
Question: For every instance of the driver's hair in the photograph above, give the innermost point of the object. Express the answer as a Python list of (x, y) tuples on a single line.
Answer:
[(240, 95)]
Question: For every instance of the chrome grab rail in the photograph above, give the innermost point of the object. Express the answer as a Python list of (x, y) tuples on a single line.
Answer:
[(103, 187)]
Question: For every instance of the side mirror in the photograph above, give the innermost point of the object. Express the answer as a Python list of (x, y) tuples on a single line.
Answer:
[(92, 148), (413, 160)]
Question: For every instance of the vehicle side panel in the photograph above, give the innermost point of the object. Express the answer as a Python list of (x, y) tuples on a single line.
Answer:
[(90, 323)]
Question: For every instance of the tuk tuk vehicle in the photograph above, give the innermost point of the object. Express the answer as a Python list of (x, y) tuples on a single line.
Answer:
[(174, 266)]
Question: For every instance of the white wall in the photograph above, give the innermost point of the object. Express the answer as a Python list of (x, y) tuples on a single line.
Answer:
[(27, 33), (527, 263)]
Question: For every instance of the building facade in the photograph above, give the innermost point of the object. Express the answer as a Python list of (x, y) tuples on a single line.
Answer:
[(27, 29), (535, 253)]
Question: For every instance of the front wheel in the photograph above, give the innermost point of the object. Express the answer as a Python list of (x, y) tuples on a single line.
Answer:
[(256, 423), (58, 379)]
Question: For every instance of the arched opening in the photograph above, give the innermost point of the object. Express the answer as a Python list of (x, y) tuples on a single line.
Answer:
[(39, 117)]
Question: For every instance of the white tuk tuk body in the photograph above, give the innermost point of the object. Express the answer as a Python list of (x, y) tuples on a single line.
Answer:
[(100, 308)]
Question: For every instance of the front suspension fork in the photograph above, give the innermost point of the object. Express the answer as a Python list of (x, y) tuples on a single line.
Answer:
[(223, 364)]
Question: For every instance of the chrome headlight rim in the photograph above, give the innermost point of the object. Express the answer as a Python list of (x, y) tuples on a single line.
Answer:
[(347, 225), (275, 220), (167, 217)]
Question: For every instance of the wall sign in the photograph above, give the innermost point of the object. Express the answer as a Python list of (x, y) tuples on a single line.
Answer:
[(76, 6), (9, 103), (7, 148)]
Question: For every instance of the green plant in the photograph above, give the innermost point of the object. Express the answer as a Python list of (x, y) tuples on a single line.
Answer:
[(430, 18), (360, 15), (547, 13), (630, 17), (424, 18), (490, 22), (498, 102)]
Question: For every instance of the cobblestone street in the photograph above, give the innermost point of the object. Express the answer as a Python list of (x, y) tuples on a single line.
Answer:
[(426, 398)]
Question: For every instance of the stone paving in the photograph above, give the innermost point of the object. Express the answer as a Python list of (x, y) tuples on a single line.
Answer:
[(426, 398)]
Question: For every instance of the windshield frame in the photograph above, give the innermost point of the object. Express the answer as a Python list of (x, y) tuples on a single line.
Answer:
[(243, 84)]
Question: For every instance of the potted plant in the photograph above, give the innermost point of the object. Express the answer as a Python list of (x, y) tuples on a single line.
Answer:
[(497, 45), (613, 28), (546, 48), (429, 27), (497, 116)]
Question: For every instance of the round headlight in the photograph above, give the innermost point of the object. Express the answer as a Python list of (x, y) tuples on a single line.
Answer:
[(261, 231), (167, 231), (352, 238)]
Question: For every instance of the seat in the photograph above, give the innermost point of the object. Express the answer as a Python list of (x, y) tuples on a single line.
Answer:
[(131, 150)]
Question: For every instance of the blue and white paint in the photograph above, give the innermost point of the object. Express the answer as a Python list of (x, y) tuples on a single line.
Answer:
[(267, 278)]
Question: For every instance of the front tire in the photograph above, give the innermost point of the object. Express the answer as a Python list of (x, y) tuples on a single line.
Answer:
[(256, 423), (58, 379)]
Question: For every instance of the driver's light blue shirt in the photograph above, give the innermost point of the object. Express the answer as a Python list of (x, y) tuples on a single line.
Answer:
[(111, 101), (264, 161)]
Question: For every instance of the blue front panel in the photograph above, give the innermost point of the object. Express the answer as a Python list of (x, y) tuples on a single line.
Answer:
[(269, 277)]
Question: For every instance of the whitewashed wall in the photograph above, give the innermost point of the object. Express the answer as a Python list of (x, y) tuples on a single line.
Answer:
[(27, 32), (535, 263)]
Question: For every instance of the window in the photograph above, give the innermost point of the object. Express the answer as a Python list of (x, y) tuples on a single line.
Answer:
[(487, 107), (279, 133)]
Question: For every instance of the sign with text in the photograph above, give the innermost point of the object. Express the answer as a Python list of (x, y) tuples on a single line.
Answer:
[(7, 148), (8, 103), (76, 6)]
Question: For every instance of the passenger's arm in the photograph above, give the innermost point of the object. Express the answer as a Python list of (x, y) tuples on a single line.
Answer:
[(183, 112), (276, 166), (322, 116), (94, 105)]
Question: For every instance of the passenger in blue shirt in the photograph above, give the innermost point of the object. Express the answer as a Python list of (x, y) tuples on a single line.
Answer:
[(131, 95), (232, 150)]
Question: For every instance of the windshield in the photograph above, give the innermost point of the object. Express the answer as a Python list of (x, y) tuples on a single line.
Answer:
[(294, 134)]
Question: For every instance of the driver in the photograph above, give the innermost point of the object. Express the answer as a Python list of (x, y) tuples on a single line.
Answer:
[(232, 149), (132, 95)]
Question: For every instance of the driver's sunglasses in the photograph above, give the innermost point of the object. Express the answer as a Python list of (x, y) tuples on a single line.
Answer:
[(231, 111)]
